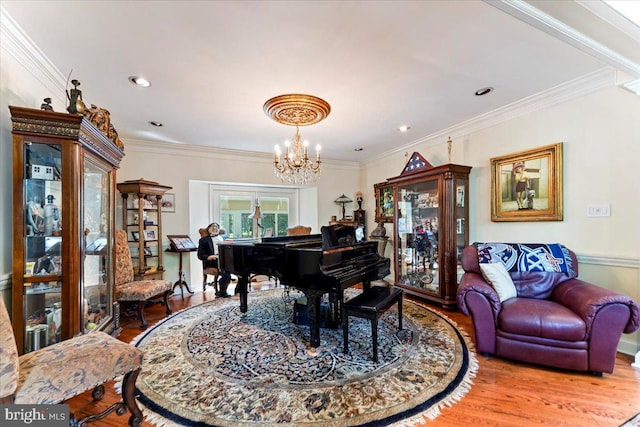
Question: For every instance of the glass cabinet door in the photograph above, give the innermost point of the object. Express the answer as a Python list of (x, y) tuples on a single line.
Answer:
[(97, 221), (417, 224), (42, 293)]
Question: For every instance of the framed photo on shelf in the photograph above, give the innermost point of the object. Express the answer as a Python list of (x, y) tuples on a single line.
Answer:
[(268, 232), (168, 202), (384, 202), (181, 243), (135, 235), (527, 186), (149, 234)]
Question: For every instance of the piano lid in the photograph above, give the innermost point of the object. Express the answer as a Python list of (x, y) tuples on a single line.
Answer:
[(337, 235)]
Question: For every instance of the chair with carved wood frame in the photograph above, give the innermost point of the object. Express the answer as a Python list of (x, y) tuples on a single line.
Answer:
[(136, 292), (58, 372)]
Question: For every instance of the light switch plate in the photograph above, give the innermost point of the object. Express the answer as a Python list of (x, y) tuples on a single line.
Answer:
[(599, 210)]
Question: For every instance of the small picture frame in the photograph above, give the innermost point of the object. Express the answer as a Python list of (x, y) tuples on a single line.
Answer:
[(460, 196), (149, 235), (136, 236), (147, 252), (168, 202), (268, 232)]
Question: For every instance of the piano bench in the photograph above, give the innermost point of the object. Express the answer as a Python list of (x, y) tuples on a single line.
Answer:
[(371, 304)]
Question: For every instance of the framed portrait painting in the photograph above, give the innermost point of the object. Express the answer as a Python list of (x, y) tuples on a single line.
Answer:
[(384, 202), (527, 186)]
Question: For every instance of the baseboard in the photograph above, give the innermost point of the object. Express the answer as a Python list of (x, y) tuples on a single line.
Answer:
[(629, 347), (636, 364)]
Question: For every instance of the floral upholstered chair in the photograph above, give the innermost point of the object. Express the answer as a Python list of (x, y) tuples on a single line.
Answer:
[(129, 291), (61, 371)]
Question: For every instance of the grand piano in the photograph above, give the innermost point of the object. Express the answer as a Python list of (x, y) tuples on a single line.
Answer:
[(315, 264)]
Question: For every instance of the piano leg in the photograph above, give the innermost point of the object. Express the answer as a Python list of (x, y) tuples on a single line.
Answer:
[(241, 289), (313, 305)]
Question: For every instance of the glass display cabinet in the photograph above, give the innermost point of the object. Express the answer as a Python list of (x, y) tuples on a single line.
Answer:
[(430, 216), (64, 206)]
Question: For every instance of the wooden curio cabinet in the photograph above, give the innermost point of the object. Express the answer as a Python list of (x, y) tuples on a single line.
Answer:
[(64, 172), (142, 220), (431, 224)]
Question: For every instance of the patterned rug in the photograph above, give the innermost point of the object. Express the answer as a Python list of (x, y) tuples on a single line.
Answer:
[(212, 365), (633, 422)]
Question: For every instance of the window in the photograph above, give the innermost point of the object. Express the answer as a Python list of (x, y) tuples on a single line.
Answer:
[(233, 207)]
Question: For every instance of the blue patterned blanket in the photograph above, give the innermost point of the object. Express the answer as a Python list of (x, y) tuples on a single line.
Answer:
[(552, 257)]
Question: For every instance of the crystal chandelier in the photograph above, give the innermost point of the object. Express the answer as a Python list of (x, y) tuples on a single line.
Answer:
[(295, 167)]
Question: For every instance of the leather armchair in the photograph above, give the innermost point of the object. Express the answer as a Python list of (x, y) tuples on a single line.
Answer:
[(565, 323)]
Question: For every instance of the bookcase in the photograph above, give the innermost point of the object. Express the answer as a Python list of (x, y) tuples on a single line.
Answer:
[(142, 220), (64, 172)]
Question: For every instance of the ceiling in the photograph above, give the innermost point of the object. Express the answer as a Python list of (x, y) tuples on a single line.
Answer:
[(379, 64)]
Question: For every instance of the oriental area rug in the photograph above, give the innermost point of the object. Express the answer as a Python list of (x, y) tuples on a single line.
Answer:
[(211, 365)]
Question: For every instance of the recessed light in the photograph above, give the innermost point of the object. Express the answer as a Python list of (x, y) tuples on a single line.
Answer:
[(358, 149), (140, 81), (156, 124), (484, 91), (404, 128)]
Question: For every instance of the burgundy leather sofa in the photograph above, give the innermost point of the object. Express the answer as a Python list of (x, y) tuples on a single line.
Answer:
[(556, 321)]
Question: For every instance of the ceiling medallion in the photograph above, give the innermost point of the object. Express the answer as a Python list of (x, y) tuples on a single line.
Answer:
[(297, 110)]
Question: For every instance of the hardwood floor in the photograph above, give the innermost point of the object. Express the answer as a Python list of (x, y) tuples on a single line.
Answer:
[(504, 393)]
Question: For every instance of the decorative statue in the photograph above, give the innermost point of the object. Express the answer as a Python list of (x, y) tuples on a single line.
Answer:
[(76, 106), (359, 199), (379, 231), (113, 135), (99, 117), (46, 105)]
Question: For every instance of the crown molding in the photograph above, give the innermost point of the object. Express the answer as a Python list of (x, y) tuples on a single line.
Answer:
[(525, 12), (191, 150), (19, 45)]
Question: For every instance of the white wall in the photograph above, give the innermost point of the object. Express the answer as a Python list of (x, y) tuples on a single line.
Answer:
[(601, 142)]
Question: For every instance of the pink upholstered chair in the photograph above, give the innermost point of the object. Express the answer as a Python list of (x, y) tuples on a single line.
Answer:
[(61, 371)]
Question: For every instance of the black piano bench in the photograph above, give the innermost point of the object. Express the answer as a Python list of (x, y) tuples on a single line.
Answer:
[(371, 304)]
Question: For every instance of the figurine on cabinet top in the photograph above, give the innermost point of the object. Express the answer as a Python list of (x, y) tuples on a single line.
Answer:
[(76, 106), (46, 105)]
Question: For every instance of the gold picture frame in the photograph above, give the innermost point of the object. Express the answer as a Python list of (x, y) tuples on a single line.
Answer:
[(527, 186), (384, 202)]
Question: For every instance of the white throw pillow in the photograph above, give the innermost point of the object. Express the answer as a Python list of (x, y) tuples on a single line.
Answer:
[(499, 278)]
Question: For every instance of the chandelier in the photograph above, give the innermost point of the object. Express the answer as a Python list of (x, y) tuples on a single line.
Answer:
[(295, 167)]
